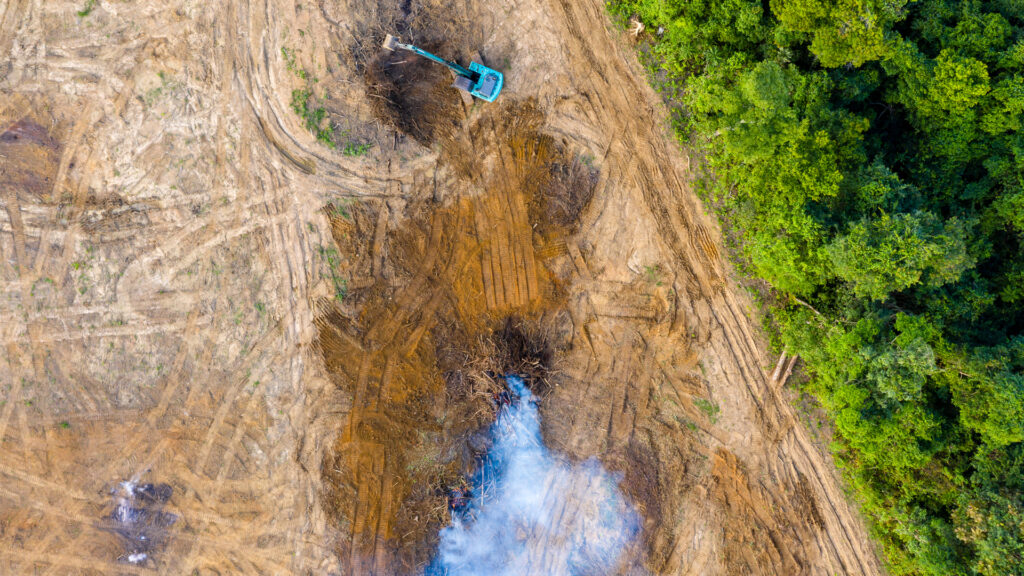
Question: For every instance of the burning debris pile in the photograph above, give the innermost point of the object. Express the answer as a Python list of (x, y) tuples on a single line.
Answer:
[(139, 520), (531, 512)]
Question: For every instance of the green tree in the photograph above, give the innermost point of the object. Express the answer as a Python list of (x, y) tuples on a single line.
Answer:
[(844, 31), (943, 98), (989, 393), (1010, 209), (891, 253), (873, 189), (990, 516), (696, 33), (1005, 110), (782, 147)]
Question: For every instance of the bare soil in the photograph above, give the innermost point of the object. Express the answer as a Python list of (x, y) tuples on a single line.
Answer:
[(299, 341)]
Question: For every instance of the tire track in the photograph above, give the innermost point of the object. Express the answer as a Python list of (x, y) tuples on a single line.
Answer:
[(128, 450), (641, 161)]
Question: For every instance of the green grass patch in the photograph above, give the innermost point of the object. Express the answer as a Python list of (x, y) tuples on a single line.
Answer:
[(332, 260), (289, 62), (709, 408), (313, 116), (90, 5), (339, 208), (356, 148), (308, 106)]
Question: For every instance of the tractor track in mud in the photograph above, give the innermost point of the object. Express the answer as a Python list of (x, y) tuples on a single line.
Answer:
[(850, 554), (166, 289)]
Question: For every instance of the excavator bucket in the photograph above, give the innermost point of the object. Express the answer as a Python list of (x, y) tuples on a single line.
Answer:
[(390, 42)]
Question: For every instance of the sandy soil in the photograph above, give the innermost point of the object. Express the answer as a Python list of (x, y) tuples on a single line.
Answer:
[(296, 339)]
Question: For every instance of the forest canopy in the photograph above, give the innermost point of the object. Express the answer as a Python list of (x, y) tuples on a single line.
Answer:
[(867, 158)]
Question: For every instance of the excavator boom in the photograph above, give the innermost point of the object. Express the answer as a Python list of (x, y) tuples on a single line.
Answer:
[(479, 80)]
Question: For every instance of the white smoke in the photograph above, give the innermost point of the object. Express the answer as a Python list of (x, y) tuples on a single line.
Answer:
[(532, 512)]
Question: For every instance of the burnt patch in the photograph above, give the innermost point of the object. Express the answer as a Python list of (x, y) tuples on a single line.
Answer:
[(557, 184), (139, 521), (419, 351), (525, 348), (408, 92), (640, 481), (26, 131), (566, 194), (414, 95), (31, 156)]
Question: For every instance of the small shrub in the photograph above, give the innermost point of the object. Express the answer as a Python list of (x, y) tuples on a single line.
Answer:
[(709, 408), (87, 9), (356, 149), (313, 116)]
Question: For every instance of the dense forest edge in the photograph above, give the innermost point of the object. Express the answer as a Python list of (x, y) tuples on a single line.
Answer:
[(865, 158)]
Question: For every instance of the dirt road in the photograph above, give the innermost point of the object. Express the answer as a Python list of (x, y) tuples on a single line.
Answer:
[(198, 293)]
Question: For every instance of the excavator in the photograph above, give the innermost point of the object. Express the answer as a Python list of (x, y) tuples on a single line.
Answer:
[(477, 80)]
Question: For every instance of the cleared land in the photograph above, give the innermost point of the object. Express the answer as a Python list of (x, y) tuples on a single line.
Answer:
[(198, 291)]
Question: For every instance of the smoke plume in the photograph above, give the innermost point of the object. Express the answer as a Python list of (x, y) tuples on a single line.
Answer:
[(533, 512)]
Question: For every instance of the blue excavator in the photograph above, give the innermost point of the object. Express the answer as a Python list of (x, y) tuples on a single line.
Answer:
[(478, 80)]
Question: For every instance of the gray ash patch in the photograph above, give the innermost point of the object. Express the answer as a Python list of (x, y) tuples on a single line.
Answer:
[(139, 520)]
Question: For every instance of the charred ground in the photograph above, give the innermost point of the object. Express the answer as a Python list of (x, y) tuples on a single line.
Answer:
[(460, 300)]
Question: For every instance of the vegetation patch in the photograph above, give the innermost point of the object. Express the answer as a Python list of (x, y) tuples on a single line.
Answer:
[(90, 5), (309, 107), (313, 115), (167, 85), (352, 148), (866, 160), (709, 408), (332, 261)]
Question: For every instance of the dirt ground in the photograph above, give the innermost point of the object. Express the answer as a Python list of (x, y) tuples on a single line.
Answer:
[(294, 344)]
